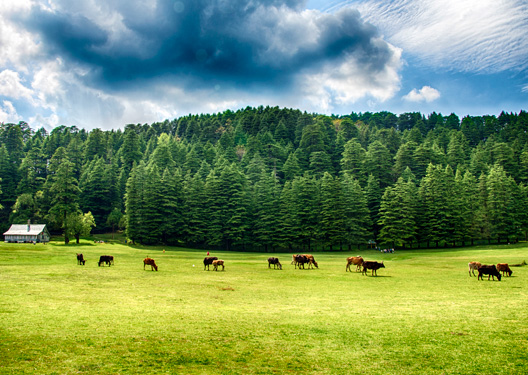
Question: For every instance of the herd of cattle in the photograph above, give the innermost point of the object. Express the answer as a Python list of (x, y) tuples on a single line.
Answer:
[(490, 270), (300, 260)]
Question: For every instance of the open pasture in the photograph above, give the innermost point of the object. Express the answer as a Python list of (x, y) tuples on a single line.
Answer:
[(423, 314)]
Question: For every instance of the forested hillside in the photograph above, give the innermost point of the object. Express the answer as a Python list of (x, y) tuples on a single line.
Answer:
[(271, 178)]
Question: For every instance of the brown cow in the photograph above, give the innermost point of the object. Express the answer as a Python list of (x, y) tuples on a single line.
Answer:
[(472, 267), (208, 261), (358, 261), (80, 260), (216, 263), (311, 261), (371, 265), (503, 267), (151, 263)]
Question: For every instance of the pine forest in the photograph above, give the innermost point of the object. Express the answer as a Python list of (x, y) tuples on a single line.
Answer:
[(270, 179)]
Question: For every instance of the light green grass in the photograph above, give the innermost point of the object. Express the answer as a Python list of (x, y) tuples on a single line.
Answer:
[(423, 314)]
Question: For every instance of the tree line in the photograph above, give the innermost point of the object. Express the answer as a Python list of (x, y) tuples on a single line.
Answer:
[(268, 178)]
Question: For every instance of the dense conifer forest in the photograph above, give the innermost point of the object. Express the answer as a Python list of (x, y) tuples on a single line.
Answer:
[(267, 178)]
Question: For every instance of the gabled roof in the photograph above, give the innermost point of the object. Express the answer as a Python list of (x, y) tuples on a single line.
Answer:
[(22, 229)]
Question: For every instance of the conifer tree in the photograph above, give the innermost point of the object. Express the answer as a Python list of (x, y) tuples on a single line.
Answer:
[(287, 233), (135, 202), (373, 194), (397, 214), (357, 219), (153, 219), (353, 159), (378, 162), (194, 215), (436, 209), (233, 186), (95, 197), (306, 201), (501, 204), (215, 204), (331, 226), (266, 215), (171, 207), (291, 167), (404, 158), (64, 191)]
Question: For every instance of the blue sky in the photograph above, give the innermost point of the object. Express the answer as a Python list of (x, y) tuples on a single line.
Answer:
[(104, 64)]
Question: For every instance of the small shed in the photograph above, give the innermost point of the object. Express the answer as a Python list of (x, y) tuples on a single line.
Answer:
[(21, 233)]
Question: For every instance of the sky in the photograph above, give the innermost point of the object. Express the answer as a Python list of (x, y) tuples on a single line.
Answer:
[(104, 64)]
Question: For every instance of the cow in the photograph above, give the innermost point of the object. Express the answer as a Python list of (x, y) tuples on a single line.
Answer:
[(293, 258), (358, 261), (208, 261), (106, 259), (311, 261), (275, 262), (489, 270), (216, 263), (151, 263), (503, 267), (301, 260), (472, 267), (371, 265), (80, 259)]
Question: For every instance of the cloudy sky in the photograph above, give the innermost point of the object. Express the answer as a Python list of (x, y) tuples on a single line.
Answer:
[(104, 64)]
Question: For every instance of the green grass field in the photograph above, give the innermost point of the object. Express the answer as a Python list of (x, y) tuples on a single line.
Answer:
[(423, 314)]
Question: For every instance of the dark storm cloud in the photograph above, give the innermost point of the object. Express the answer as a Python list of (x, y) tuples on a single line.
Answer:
[(192, 42)]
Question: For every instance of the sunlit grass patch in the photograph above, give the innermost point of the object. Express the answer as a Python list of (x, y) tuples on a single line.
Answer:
[(422, 314)]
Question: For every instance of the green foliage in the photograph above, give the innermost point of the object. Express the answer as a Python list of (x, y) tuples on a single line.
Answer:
[(270, 178), (79, 225)]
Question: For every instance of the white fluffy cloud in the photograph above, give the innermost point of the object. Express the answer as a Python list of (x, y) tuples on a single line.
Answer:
[(8, 112), (11, 86), (345, 84), (425, 94)]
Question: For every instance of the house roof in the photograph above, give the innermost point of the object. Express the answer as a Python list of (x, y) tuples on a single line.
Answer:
[(22, 229)]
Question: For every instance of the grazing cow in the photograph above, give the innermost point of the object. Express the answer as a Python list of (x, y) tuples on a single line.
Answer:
[(216, 263), (151, 263), (208, 261), (371, 265), (293, 258), (490, 270), (311, 261), (301, 260), (106, 259), (80, 259), (358, 261), (473, 266), (275, 262), (503, 267)]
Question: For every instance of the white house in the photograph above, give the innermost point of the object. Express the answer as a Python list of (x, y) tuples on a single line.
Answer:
[(27, 233)]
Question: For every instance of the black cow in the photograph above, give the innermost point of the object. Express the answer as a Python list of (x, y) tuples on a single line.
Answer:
[(275, 262), (490, 270), (301, 260), (371, 265), (80, 260), (106, 259), (208, 261)]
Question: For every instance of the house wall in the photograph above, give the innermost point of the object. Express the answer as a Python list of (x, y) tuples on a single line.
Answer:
[(20, 238), (25, 238)]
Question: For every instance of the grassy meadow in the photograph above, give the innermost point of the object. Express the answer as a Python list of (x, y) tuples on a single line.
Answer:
[(423, 314)]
